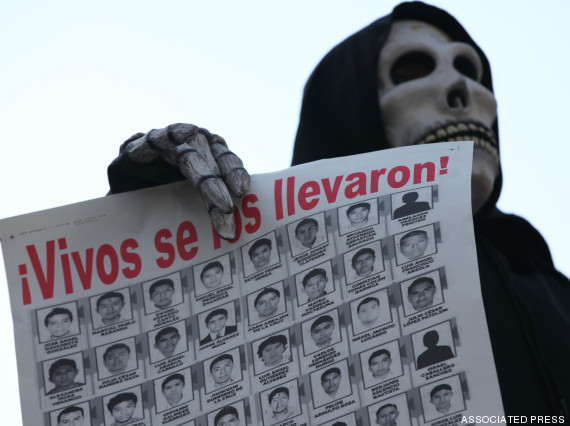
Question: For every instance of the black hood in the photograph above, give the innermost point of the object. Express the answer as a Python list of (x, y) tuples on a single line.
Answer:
[(340, 114)]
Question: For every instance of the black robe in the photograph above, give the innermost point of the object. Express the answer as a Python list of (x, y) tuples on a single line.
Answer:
[(527, 302)]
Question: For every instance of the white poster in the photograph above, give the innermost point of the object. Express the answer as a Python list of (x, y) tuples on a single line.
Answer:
[(350, 296)]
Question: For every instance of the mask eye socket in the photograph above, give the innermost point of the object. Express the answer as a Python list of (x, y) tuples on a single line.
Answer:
[(411, 66), (466, 67)]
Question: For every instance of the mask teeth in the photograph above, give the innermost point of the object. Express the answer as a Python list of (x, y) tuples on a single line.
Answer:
[(483, 137)]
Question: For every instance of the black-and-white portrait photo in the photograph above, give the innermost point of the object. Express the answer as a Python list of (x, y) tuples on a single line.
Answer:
[(72, 415), (381, 363), (307, 234), (363, 262), (280, 403), (433, 345), (113, 307), (411, 202), (228, 415), (167, 341), (266, 303), (442, 398), (57, 322), (212, 275), (371, 311), (124, 407), (260, 254), (330, 383), (271, 352), (314, 283), (222, 370), (346, 420), (162, 293), (393, 411), (321, 332), (415, 244), (217, 323), (63, 374), (173, 390), (116, 358), (421, 293), (357, 216)]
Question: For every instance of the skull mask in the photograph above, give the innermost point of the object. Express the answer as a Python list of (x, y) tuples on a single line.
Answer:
[(430, 91)]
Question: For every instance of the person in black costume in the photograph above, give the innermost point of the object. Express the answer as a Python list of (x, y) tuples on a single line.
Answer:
[(434, 353), (527, 301)]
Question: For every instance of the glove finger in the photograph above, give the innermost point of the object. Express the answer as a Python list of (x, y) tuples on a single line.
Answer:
[(214, 193), (149, 146), (231, 167), (198, 165)]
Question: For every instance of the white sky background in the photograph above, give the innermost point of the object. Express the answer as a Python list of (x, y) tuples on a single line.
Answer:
[(78, 78)]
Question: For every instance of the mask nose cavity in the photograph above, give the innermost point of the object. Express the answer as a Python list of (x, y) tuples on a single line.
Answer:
[(458, 97)]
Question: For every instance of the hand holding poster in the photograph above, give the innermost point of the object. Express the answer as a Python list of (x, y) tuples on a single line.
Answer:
[(350, 292)]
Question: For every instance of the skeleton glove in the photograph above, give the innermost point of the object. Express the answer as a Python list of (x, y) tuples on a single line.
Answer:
[(202, 158)]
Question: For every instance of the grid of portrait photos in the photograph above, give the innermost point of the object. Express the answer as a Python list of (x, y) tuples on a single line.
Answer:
[(338, 318)]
